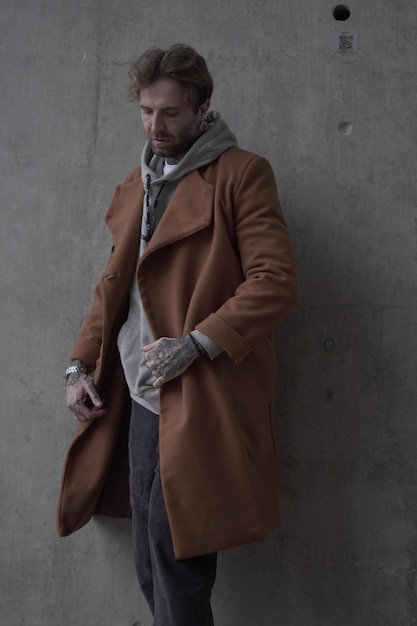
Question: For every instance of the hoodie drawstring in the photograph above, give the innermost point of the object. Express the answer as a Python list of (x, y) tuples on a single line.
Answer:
[(149, 229)]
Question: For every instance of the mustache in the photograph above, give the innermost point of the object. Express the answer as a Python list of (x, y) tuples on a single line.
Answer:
[(161, 136)]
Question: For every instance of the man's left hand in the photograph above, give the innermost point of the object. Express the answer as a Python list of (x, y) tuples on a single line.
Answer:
[(169, 358)]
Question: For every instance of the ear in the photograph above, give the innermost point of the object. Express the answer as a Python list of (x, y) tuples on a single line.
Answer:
[(202, 110)]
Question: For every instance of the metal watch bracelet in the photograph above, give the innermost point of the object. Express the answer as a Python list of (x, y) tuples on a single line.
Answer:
[(76, 368)]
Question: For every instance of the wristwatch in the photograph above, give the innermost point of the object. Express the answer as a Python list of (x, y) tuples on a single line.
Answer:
[(74, 369)]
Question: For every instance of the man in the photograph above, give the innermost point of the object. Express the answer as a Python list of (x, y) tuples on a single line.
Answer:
[(179, 340)]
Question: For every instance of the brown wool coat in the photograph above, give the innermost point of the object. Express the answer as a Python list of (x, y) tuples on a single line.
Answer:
[(220, 261)]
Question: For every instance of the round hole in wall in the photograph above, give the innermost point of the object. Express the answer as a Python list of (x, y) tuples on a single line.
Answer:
[(345, 128), (341, 13), (329, 344)]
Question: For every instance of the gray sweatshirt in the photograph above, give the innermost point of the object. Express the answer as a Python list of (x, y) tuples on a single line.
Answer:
[(160, 181)]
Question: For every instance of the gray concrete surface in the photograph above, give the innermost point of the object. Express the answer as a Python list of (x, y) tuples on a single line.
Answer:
[(340, 131)]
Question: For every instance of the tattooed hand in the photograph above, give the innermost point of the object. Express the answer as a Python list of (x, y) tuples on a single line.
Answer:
[(79, 388), (169, 358)]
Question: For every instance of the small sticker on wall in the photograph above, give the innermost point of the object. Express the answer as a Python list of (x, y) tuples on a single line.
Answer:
[(347, 41)]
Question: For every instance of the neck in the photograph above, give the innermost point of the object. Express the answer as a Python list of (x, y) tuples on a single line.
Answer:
[(173, 160)]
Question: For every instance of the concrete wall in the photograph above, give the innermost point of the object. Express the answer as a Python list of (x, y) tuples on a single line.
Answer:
[(339, 129)]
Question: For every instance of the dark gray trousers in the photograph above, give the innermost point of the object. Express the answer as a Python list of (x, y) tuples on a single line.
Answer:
[(178, 591)]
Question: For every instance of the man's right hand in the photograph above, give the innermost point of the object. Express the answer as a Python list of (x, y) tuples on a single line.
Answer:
[(80, 388)]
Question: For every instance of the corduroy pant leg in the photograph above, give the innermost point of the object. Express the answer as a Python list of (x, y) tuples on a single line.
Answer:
[(178, 591)]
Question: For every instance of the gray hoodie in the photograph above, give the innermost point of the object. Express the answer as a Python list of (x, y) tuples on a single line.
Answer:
[(160, 182)]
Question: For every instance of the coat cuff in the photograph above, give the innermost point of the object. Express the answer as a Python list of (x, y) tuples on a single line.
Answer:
[(207, 344), (225, 337), (87, 351)]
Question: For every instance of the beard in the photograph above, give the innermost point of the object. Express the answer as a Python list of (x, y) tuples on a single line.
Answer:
[(174, 146)]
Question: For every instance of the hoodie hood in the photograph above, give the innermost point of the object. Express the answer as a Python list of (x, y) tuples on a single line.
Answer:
[(215, 139)]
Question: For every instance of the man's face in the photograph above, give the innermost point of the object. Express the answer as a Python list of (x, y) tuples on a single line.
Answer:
[(170, 123)]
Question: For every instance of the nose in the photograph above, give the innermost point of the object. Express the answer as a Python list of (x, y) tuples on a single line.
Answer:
[(156, 123)]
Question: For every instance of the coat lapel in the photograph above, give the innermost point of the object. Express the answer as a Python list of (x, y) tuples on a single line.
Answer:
[(189, 211), (125, 211)]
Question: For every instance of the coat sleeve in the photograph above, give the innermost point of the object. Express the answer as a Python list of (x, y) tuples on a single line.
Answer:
[(113, 288), (269, 287), (87, 346)]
